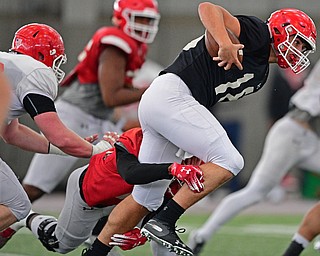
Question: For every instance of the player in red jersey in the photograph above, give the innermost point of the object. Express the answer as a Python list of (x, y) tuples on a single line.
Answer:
[(100, 81), (93, 190)]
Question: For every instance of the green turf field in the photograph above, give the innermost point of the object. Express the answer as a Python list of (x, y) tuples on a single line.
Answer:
[(245, 235)]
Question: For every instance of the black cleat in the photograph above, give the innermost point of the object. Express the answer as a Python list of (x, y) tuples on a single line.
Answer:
[(165, 235)]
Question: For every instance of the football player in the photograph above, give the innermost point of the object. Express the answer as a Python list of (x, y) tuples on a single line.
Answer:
[(101, 80), (293, 141), (7, 216), (94, 189), (308, 230), (4, 96), (175, 107), (32, 68)]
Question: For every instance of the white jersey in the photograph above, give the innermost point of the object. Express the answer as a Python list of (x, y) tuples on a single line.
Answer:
[(308, 97), (27, 75)]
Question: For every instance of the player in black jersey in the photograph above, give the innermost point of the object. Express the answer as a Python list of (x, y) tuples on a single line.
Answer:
[(174, 111)]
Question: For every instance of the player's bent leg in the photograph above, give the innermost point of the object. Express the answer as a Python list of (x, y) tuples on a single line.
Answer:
[(161, 228), (128, 209), (76, 220), (12, 195), (33, 192), (6, 219), (43, 227), (42, 178), (14, 204), (309, 228)]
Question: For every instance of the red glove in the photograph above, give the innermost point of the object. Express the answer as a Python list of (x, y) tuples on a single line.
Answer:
[(190, 174), (128, 240)]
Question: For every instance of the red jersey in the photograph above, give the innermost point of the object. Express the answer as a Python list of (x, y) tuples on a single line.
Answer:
[(102, 184), (87, 68)]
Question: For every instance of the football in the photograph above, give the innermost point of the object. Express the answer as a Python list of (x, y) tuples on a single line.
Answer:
[(213, 47)]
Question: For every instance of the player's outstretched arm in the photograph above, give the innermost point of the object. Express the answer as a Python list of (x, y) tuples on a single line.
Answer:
[(134, 172)]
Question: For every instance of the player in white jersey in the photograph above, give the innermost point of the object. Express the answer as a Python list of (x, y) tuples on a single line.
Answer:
[(6, 175), (292, 141), (4, 96), (33, 70)]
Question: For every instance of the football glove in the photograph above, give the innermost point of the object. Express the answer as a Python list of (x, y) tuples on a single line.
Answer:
[(190, 174), (128, 240), (109, 138)]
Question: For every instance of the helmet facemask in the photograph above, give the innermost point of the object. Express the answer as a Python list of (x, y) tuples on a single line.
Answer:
[(294, 58), (288, 27), (144, 33), (62, 59)]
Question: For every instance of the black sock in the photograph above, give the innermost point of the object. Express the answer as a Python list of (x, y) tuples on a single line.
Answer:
[(294, 249), (170, 213), (98, 249), (99, 226), (28, 223)]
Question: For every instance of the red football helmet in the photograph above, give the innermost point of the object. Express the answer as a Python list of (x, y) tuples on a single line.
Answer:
[(286, 25), (43, 43), (125, 13)]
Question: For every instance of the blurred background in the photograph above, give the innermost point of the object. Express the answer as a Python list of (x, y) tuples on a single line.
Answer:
[(247, 120)]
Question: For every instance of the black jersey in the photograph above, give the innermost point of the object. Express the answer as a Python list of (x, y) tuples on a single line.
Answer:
[(210, 83)]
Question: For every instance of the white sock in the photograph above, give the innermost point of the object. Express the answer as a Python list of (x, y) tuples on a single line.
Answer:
[(37, 220), (301, 240), (20, 224)]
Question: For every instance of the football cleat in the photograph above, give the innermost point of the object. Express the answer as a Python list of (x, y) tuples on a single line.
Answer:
[(165, 235), (5, 236), (196, 242)]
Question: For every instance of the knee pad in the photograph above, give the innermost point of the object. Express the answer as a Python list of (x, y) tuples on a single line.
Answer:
[(46, 234)]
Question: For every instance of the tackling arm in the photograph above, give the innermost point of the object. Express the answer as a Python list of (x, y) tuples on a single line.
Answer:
[(134, 172), (25, 138), (59, 135)]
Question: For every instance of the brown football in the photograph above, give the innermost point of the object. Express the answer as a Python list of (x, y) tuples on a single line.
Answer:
[(213, 47)]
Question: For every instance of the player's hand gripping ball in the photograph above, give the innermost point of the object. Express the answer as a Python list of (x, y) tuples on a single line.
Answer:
[(226, 57)]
